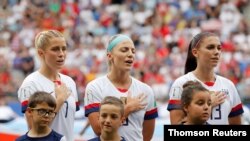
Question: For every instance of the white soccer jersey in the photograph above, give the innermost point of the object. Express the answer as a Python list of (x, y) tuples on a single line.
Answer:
[(101, 87), (230, 108), (64, 120)]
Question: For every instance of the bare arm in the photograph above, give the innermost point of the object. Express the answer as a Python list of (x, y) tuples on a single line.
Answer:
[(148, 129), (235, 120), (93, 120), (176, 116)]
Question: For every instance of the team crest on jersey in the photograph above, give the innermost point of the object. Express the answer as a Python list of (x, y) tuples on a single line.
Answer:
[(27, 92), (225, 91), (89, 96), (124, 100), (176, 92), (70, 91), (89, 92)]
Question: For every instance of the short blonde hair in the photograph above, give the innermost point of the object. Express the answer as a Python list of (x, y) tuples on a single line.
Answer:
[(43, 38)]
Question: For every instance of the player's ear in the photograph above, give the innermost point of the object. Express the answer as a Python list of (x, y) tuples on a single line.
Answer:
[(109, 55), (195, 52), (40, 52)]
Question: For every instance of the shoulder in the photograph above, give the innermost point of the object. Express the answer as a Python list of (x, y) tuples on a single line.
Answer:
[(207, 123), (145, 88), (63, 139), (30, 83), (182, 79), (33, 74), (33, 77), (67, 78), (224, 80), (22, 138), (123, 139), (56, 135), (95, 139), (98, 81), (140, 83)]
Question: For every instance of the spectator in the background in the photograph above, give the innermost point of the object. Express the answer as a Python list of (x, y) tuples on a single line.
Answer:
[(230, 19), (7, 85), (24, 61), (7, 114)]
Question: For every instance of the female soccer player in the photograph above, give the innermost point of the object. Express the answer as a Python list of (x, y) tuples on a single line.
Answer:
[(140, 109), (203, 56), (52, 51)]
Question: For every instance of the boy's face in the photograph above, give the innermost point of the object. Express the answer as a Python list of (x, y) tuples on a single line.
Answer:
[(110, 118), (42, 115)]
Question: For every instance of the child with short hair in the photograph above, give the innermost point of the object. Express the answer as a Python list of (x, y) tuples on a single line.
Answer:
[(196, 103), (110, 118), (41, 108)]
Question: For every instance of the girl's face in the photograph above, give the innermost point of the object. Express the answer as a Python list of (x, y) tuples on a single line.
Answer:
[(199, 110), (110, 118), (54, 54), (122, 56), (208, 52)]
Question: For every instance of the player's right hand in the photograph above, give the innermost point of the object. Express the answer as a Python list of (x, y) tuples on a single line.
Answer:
[(136, 103), (217, 98), (61, 91)]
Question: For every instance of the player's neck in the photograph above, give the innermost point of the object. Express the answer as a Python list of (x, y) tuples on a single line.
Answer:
[(121, 82), (118, 77), (52, 75), (204, 76)]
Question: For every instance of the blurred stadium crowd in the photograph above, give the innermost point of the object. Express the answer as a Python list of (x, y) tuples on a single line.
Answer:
[(160, 29)]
